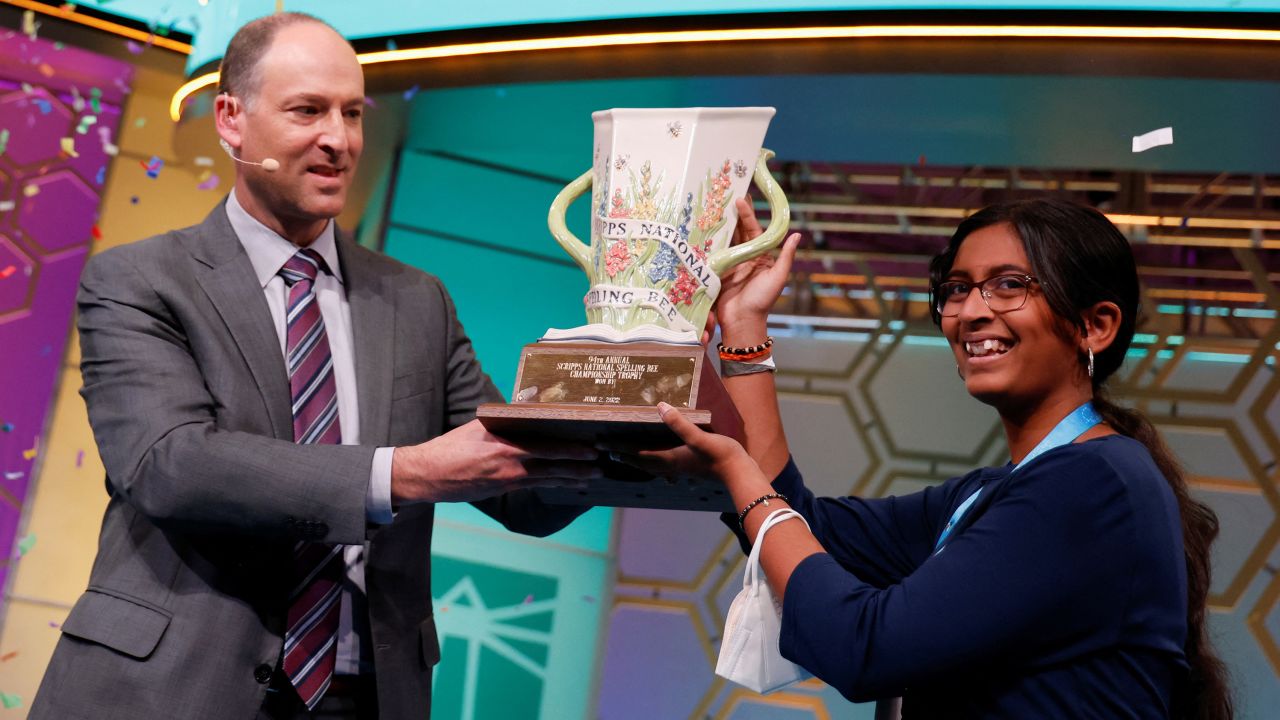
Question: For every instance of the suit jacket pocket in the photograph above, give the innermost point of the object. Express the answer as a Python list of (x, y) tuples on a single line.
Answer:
[(430, 643), (411, 384), (124, 624)]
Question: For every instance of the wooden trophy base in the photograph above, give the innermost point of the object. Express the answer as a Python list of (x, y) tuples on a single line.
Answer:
[(593, 392)]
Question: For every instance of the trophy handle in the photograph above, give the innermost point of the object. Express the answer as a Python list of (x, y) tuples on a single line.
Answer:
[(779, 211), (579, 251)]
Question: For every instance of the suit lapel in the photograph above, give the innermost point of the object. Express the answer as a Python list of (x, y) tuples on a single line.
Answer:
[(373, 331), (227, 278)]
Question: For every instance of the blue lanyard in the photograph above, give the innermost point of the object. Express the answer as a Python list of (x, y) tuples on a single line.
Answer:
[(1067, 430)]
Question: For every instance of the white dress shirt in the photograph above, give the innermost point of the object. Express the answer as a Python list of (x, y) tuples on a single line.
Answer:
[(268, 252)]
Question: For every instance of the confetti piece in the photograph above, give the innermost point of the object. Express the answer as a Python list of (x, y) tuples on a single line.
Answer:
[(4, 140), (79, 458), (1155, 138), (7, 427), (140, 122), (31, 190), (68, 145), (369, 101), (14, 475), (53, 624), (101, 176), (95, 100), (45, 106), (77, 102), (4, 274), (134, 199), (588, 598), (25, 544), (153, 167), (209, 183), (134, 47), (203, 161), (110, 149), (29, 24), (46, 70), (9, 656), (85, 122), (528, 598), (391, 44), (408, 94), (96, 233), (10, 700), (30, 453)]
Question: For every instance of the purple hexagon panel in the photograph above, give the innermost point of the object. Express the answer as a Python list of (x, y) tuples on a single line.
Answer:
[(60, 110)]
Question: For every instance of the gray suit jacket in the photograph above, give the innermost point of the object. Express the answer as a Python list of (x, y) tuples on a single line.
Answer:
[(189, 402)]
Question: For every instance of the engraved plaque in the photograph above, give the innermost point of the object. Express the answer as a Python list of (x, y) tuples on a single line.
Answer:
[(590, 392), (630, 374)]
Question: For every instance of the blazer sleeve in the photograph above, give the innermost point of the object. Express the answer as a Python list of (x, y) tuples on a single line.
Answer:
[(880, 540), (155, 424), (466, 387), (1043, 569)]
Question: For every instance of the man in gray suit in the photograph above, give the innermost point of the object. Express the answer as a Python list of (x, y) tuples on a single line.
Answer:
[(265, 550)]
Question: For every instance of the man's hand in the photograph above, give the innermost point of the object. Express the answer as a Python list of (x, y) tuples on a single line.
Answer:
[(470, 463)]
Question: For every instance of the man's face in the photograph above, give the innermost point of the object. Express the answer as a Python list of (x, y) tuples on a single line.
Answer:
[(307, 115)]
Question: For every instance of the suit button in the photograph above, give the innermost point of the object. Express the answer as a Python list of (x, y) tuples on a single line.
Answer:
[(262, 673)]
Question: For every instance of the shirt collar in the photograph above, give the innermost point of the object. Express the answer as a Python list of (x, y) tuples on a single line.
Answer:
[(268, 252)]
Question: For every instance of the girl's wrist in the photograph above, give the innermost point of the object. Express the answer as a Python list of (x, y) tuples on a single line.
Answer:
[(745, 332)]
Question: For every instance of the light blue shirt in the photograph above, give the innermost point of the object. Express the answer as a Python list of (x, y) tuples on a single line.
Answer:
[(268, 252)]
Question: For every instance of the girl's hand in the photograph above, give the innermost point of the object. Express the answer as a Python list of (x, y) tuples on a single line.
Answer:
[(749, 290)]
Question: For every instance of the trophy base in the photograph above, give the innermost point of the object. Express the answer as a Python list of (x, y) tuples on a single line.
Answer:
[(592, 392)]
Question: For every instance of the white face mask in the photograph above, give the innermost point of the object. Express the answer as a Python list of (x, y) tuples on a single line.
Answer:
[(749, 654)]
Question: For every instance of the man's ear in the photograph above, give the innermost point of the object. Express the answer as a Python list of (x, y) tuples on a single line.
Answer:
[(1101, 324), (228, 112)]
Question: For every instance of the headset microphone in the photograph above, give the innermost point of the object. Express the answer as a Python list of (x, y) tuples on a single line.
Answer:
[(268, 164)]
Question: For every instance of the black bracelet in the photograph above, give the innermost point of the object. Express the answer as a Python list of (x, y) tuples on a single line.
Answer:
[(762, 499), (754, 349)]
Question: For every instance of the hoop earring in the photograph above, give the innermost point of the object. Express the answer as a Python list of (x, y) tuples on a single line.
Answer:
[(1091, 363)]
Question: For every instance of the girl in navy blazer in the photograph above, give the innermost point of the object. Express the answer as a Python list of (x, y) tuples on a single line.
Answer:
[(1070, 583)]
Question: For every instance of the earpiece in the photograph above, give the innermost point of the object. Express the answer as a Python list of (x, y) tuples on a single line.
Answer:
[(268, 164)]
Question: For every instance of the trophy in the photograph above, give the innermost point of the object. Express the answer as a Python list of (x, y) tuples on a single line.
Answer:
[(663, 185)]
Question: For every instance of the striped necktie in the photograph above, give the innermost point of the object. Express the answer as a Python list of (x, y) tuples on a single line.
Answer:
[(310, 644)]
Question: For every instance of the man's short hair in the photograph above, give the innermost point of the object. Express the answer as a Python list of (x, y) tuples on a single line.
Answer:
[(239, 72)]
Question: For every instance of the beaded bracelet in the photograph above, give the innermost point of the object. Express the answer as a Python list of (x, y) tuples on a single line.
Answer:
[(755, 351), (742, 516)]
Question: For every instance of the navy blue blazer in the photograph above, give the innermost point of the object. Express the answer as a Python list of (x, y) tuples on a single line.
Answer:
[(1061, 593)]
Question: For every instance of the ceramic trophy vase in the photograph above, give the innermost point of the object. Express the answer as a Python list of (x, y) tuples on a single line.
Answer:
[(663, 186)]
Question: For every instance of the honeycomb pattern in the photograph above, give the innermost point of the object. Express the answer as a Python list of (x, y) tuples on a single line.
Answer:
[(49, 201), (875, 414)]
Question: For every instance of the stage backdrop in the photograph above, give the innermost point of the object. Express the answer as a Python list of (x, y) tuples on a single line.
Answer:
[(871, 413), (59, 114)]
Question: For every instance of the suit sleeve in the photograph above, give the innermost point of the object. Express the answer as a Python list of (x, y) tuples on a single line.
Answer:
[(466, 387), (155, 424), (1042, 569)]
